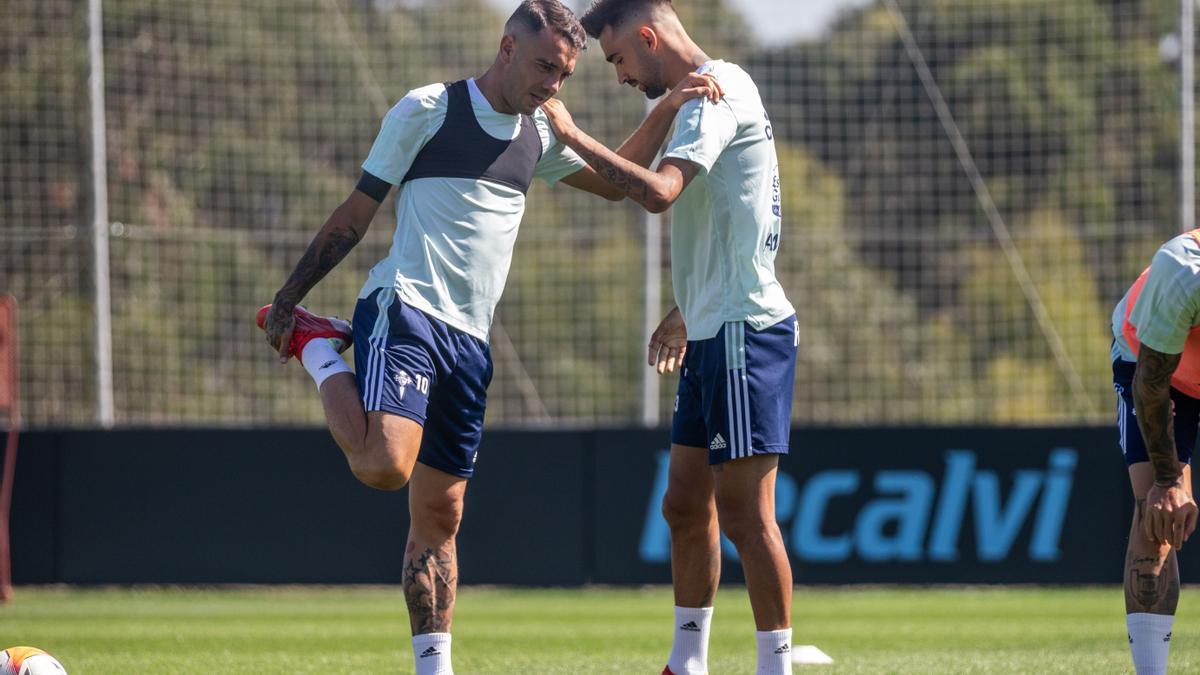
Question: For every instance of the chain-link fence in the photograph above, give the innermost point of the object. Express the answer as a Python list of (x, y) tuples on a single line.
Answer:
[(969, 187)]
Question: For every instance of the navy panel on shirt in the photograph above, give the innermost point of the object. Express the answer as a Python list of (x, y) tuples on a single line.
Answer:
[(462, 149)]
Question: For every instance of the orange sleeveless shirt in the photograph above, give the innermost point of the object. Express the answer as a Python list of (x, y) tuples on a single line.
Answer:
[(1187, 376)]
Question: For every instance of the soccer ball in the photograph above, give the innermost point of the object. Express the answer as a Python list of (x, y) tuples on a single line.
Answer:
[(29, 661)]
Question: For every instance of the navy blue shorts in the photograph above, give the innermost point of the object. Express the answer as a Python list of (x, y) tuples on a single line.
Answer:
[(413, 365), (735, 391), (1187, 418)]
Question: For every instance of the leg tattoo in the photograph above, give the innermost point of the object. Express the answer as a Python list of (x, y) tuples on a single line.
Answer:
[(1144, 587), (1152, 585), (430, 582), (1151, 574)]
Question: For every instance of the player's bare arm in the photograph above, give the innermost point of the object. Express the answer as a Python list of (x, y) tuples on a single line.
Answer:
[(654, 190), (342, 231), (1170, 512), (643, 145), (1152, 398), (668, 343)]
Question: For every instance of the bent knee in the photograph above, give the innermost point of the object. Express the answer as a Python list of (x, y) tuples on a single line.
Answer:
[(382, 475), (386, 462)]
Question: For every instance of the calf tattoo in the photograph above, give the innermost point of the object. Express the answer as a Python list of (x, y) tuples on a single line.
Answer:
[(430, 583), (1144, 585), (1151, 583)]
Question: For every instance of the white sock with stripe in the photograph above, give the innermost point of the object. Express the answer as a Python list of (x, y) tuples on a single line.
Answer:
[(689, 647), (322, 361), (774, 651), (432, 654), (1149, 641)]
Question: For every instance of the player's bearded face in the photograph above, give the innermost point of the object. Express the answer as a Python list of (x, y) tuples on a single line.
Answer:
[(653, 84), (646, 75), (636, 64)]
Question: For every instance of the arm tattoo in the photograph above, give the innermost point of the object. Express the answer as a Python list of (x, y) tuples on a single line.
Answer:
[(430, 582), (624, 178), (327, 249), (1152, 401)]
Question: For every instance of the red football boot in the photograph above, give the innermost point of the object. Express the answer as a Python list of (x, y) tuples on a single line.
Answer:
[(667, 671), (309, 326)]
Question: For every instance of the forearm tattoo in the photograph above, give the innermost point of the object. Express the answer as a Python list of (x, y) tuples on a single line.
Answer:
[(430, 582), (322, 255), (622, 175), (1152, 400)]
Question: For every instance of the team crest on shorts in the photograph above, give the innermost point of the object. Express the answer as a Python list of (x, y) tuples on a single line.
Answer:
[(403, 380)]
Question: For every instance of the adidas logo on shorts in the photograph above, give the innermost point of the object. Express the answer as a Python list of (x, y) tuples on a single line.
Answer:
[(718, 443)]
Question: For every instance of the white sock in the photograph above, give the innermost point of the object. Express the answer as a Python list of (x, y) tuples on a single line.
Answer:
[(1149, 641), (432, 653), (322, 361), (689, 647), (774, 651)]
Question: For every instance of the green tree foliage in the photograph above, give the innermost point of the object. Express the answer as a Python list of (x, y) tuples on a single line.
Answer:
[(867, 354), (234, 128), (1068, 111)]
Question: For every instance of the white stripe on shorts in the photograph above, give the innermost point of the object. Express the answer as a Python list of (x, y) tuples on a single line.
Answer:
[(729, 408), (744, 383), (737, 392), (1121, 424), (377, 363), (734, 405)]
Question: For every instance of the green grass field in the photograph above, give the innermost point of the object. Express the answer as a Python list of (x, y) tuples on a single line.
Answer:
[(364, 630)]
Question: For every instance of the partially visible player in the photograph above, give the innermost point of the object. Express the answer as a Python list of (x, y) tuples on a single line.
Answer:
[(1156, 373), (734, 329), (464, 155)]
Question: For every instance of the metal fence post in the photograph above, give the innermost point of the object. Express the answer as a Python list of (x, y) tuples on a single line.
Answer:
[(100, 268)]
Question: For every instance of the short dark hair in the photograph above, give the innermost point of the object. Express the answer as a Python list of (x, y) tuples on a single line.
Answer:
[(538, 14), (612, 12)]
